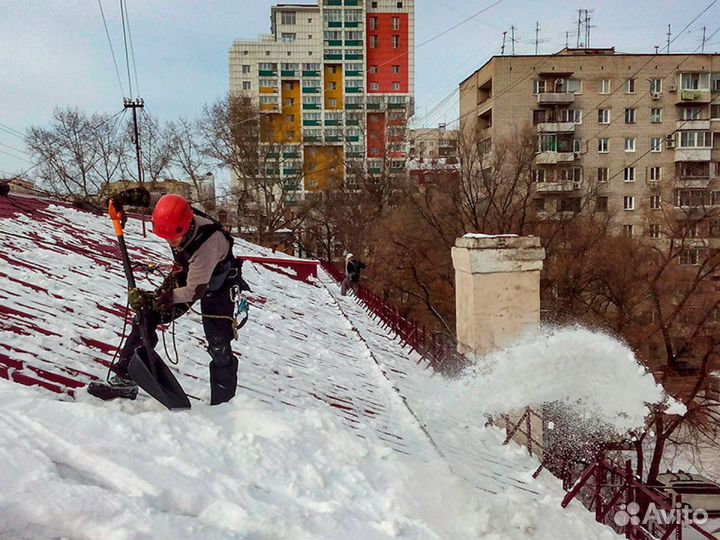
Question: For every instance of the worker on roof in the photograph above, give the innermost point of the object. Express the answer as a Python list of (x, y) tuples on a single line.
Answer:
[(352, 274), (204, 269)]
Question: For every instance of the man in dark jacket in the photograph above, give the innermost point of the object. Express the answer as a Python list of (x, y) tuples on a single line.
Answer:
[(352, 274), (204, 266)]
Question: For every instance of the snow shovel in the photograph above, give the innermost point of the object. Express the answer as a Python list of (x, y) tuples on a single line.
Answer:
[(146, 367)]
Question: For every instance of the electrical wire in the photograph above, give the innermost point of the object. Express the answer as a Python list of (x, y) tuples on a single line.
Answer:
[(112, 51), (125, 41), (132, 50)]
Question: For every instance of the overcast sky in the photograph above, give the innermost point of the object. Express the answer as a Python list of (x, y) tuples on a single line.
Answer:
[(55, 53)]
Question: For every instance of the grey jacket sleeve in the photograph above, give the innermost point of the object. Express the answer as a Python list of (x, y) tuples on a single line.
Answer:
[(201, 266)]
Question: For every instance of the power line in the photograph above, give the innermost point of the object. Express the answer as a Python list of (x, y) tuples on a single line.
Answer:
[(15, 149), (132, 50), (112, 51), (11, 130), (125, 41), (14, 156)]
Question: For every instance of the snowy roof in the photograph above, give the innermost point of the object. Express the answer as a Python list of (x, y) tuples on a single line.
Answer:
[(335, 431)]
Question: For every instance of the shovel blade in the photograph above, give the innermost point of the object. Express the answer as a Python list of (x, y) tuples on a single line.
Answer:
[(151, 374)]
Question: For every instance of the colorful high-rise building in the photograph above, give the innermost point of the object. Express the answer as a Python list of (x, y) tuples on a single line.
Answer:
[(334, 84)]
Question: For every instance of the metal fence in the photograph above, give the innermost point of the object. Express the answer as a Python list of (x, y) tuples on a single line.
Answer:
[(435, 351)]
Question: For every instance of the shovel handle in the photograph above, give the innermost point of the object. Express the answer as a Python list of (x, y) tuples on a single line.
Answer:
[(116, 216)]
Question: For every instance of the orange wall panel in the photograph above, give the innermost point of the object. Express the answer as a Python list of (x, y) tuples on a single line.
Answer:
[(333, 75)]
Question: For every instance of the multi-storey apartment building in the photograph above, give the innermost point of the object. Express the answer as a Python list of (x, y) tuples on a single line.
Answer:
[(334, 83), (433, 143), (637, 128)]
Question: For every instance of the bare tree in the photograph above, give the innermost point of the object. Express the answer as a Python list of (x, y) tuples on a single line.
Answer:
[(77, 155)]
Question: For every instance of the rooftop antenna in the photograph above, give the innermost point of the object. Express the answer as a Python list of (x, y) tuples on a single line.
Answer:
[(669, 33), (577, 43), (657, 47), (537, 34), (567, 35), (512, 39), (702, 51), (502, 49), (588, 26)]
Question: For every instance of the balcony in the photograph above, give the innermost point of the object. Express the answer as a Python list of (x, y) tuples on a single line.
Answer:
[(551, 158), (565, 186), (556, 127), (698, 125), (693, 96), (556, 98), (693, 154)]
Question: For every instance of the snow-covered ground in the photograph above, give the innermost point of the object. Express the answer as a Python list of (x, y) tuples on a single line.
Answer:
[(336, 431)]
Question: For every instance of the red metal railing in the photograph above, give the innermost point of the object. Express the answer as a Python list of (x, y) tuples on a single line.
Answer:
[(303, 269), (609, 491), (437, 352)]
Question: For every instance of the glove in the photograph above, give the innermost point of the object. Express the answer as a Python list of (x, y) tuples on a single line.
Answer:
[(138, 299), (163, 300)]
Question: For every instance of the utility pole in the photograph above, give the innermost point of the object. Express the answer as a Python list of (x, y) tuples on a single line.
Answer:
[(669, 33), (136, 104)]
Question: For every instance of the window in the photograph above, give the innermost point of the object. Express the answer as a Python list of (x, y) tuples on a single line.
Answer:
[(695, 81), (628, 230), (629, 203), (689, 257), (373, 4), (246, 68), (399, 5), (656, 116), (691, 113), (539, 204), (630, 86), (655, 201), (695, 139), (396, 42), (570, 204), (396, 86), (539, 175), (629, 116), (287, 17), (374, 86), (353, 15), (603, 116), (604, 86), (246, 85), (603, 145), (288, 37), (601, 204), (268, 83), (655, 174), (656, 144), (290, 118), (332, 85), (396, 23), (577, 145), (373, 42), (573, 174), (539, 86), (332, 102), (373, 22), (656, 86), (396, 69), (332, 35), (572, 86), (691, 197), (629, 174), (570, 115), (353, 35), (629, 144), (602, 174), (714, 111), (653, 230), (373, 69)]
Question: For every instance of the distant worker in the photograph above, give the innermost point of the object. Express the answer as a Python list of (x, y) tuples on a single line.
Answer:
[(352, 274), (4, 189)]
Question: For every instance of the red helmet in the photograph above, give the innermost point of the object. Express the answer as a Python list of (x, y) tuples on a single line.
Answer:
[(172, 217)]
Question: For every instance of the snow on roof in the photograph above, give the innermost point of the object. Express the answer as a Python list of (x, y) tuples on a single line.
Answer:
[(334, 433)]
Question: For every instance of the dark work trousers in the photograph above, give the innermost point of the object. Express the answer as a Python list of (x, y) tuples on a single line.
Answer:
[(218, 332)]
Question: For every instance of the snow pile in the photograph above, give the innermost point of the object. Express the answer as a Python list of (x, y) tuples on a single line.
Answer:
[(592, 371)]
